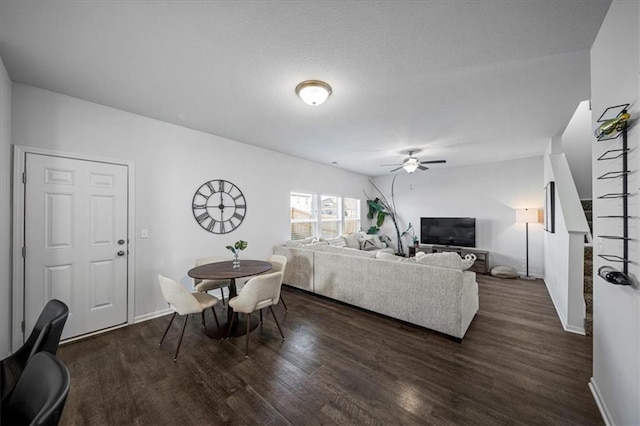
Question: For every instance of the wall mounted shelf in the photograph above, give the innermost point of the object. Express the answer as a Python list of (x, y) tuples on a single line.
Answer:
[(618, 116)]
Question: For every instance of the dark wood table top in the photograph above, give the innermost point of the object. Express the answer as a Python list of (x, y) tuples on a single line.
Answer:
[(224, 270)]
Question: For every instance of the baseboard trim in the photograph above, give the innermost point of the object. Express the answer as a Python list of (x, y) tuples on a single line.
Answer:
[(604, 412), (93, 333), (141, 318), (152, 315), (575, 330)]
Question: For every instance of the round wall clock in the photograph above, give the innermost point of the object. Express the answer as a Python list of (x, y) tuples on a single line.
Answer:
[(219, 206)]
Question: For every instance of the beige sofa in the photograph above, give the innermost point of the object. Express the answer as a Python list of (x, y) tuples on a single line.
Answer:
[(444, 299)]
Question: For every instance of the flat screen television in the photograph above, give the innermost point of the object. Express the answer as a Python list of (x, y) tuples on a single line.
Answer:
[(448, 231)]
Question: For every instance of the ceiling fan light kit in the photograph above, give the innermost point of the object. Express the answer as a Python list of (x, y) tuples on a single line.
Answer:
[(411, 164), (313, 92)]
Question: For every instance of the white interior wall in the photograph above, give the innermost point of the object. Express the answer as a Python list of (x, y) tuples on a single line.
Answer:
[(5, 211), (489, 192), (576, 144), (171, 162), (615, 63), (564, 248)]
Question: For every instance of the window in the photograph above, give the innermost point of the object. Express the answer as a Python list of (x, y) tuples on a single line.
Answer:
[(304, 216), (325, 216), (351, 215), (330, 216)]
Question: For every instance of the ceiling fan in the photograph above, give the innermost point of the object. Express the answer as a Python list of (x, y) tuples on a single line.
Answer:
[(412, 163)]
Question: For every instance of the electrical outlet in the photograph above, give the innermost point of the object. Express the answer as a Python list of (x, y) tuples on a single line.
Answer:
[(144, 233)]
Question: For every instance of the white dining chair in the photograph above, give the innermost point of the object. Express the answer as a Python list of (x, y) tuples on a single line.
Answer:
[(259, 292), (185, 303), (205, 286), (279, 263)]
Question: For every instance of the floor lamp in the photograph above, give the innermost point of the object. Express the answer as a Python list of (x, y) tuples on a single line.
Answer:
[(527, 216)]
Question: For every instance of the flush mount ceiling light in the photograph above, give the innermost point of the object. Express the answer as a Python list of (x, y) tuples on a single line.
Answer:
[(313, 92)]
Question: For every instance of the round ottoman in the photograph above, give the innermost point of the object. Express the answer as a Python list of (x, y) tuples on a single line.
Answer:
[(504, 272)]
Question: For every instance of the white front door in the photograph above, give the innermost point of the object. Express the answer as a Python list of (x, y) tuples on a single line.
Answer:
[(76, 241)]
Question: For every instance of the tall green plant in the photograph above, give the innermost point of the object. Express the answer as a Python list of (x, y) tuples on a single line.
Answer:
[(377, 210), (380, 208)]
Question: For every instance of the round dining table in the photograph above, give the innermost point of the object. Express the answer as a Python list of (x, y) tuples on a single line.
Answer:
[(226, 271)]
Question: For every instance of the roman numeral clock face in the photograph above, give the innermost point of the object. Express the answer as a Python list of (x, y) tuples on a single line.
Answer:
[(219, 206)]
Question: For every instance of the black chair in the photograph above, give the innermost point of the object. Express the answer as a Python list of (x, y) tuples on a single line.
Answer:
[(40, 394), (44, 337)]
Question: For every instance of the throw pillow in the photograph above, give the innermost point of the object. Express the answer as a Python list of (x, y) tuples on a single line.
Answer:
[(370, 242), (353, 240)]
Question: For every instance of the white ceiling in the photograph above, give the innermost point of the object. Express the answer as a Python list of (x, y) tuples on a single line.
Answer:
[(466, 81)]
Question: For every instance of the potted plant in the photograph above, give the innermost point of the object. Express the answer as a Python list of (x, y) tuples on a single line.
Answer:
[(410, 231), (380, 208), (236, 249)]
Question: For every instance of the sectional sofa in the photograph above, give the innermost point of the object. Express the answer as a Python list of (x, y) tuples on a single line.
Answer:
[(431, 291)]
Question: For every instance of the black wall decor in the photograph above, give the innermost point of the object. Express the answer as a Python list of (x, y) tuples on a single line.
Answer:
[(550, 207), (219, 206)]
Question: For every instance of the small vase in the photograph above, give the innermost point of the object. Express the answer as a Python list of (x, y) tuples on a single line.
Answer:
[(236, 261)]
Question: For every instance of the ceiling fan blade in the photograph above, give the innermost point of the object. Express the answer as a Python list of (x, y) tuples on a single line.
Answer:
[(433, 162), (395, 170), (396, 164), (423, 168)]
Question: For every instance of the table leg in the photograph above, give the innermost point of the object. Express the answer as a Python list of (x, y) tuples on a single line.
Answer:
[(233, 292)]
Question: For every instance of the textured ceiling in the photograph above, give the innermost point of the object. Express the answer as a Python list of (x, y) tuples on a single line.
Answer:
[(466, 81)]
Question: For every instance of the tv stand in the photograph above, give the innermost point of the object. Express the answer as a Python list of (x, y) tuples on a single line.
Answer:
[(482, 256)]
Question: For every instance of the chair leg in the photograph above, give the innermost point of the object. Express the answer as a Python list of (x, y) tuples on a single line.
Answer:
[(276, 320), (261, 323), (167, 330), (246, 350), (204, 324), (222, 294), (215, 317), (283, 304), (186, 317), (233, 317)]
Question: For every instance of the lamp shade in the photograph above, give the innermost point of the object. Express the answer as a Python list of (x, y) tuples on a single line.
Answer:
[(527, 216), (313, 92)]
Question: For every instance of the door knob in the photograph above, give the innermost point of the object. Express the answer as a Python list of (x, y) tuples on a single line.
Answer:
[(120, 242), (121, 253)]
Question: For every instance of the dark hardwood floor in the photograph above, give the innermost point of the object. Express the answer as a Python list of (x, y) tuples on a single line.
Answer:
[(342, 365)]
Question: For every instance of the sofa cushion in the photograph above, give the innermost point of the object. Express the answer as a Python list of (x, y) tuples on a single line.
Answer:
[(313, 246), (449, 260), (347, 251), (388, 256), (295, 243), (337, 242)]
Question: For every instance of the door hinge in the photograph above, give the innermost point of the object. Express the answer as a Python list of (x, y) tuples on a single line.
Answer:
[(24, 177), (24, 252), (22, 326)]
